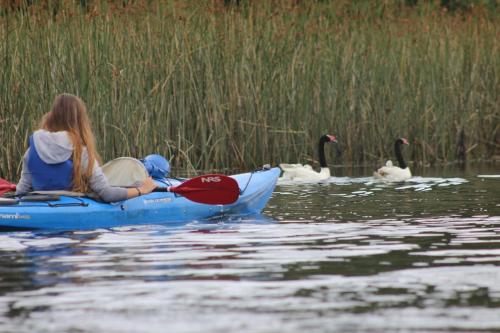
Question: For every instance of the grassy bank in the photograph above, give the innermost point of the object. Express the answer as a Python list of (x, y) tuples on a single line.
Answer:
[(238, 86)]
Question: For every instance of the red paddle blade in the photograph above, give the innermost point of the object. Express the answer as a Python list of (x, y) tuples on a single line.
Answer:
[(5, 186), (210, 189)]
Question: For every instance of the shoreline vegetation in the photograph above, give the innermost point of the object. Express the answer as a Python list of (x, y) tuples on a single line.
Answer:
[(237, 84)]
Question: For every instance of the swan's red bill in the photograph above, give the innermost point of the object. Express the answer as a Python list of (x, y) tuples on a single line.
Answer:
[(332, 138), (212, 189), (5, 186)]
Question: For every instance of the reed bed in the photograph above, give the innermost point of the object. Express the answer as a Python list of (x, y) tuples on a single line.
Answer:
[(215, 86)]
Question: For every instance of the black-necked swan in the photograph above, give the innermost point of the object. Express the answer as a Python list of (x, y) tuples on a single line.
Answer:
[(393, 173), (299, 172)]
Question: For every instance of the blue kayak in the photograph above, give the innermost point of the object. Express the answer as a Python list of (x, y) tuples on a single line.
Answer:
[(77, 213)]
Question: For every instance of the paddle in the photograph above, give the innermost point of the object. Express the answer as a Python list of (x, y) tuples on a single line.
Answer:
[(212, 189), (5, 186), (209, 189)]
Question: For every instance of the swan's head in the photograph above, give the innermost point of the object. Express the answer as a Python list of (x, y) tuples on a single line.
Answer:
[(402, 141), (328, 138)]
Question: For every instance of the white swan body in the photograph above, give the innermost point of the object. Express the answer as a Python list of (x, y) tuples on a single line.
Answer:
[(392, 173), (305, 173)]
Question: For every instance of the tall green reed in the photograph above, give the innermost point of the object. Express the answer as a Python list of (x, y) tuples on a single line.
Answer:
[(234, 87)]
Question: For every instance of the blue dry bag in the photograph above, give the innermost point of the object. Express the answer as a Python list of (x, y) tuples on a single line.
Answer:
[(156, 165)]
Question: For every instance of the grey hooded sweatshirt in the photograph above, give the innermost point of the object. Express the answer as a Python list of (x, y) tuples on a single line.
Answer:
[(56, 147)]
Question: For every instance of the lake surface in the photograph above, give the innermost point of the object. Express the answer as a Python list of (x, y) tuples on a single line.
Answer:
[(346, 255)]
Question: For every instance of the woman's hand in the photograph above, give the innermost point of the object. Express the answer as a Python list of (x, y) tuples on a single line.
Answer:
[(148, 186)]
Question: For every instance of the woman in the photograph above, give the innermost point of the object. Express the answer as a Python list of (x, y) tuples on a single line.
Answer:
[(62, 156)]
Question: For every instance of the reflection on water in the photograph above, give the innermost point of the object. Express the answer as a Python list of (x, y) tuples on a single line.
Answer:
[(345, 198), (347, 255)]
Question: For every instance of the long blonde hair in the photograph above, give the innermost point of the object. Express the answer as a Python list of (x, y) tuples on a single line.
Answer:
[(70, 114)]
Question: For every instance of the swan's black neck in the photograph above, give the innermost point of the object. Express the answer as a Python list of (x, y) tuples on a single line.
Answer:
[(321, 152), (399, 156)]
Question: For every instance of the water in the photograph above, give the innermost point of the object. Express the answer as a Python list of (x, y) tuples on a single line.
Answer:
[(347, 255)]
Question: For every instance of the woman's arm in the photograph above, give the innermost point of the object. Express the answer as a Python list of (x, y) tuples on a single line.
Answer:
[(147, 187), (100, 185), (25, 183)]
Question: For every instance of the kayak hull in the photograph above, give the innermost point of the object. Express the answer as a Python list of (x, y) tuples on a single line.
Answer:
[(74, 213)]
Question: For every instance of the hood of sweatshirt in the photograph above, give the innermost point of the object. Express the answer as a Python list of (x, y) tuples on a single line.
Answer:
[(53, 147)]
